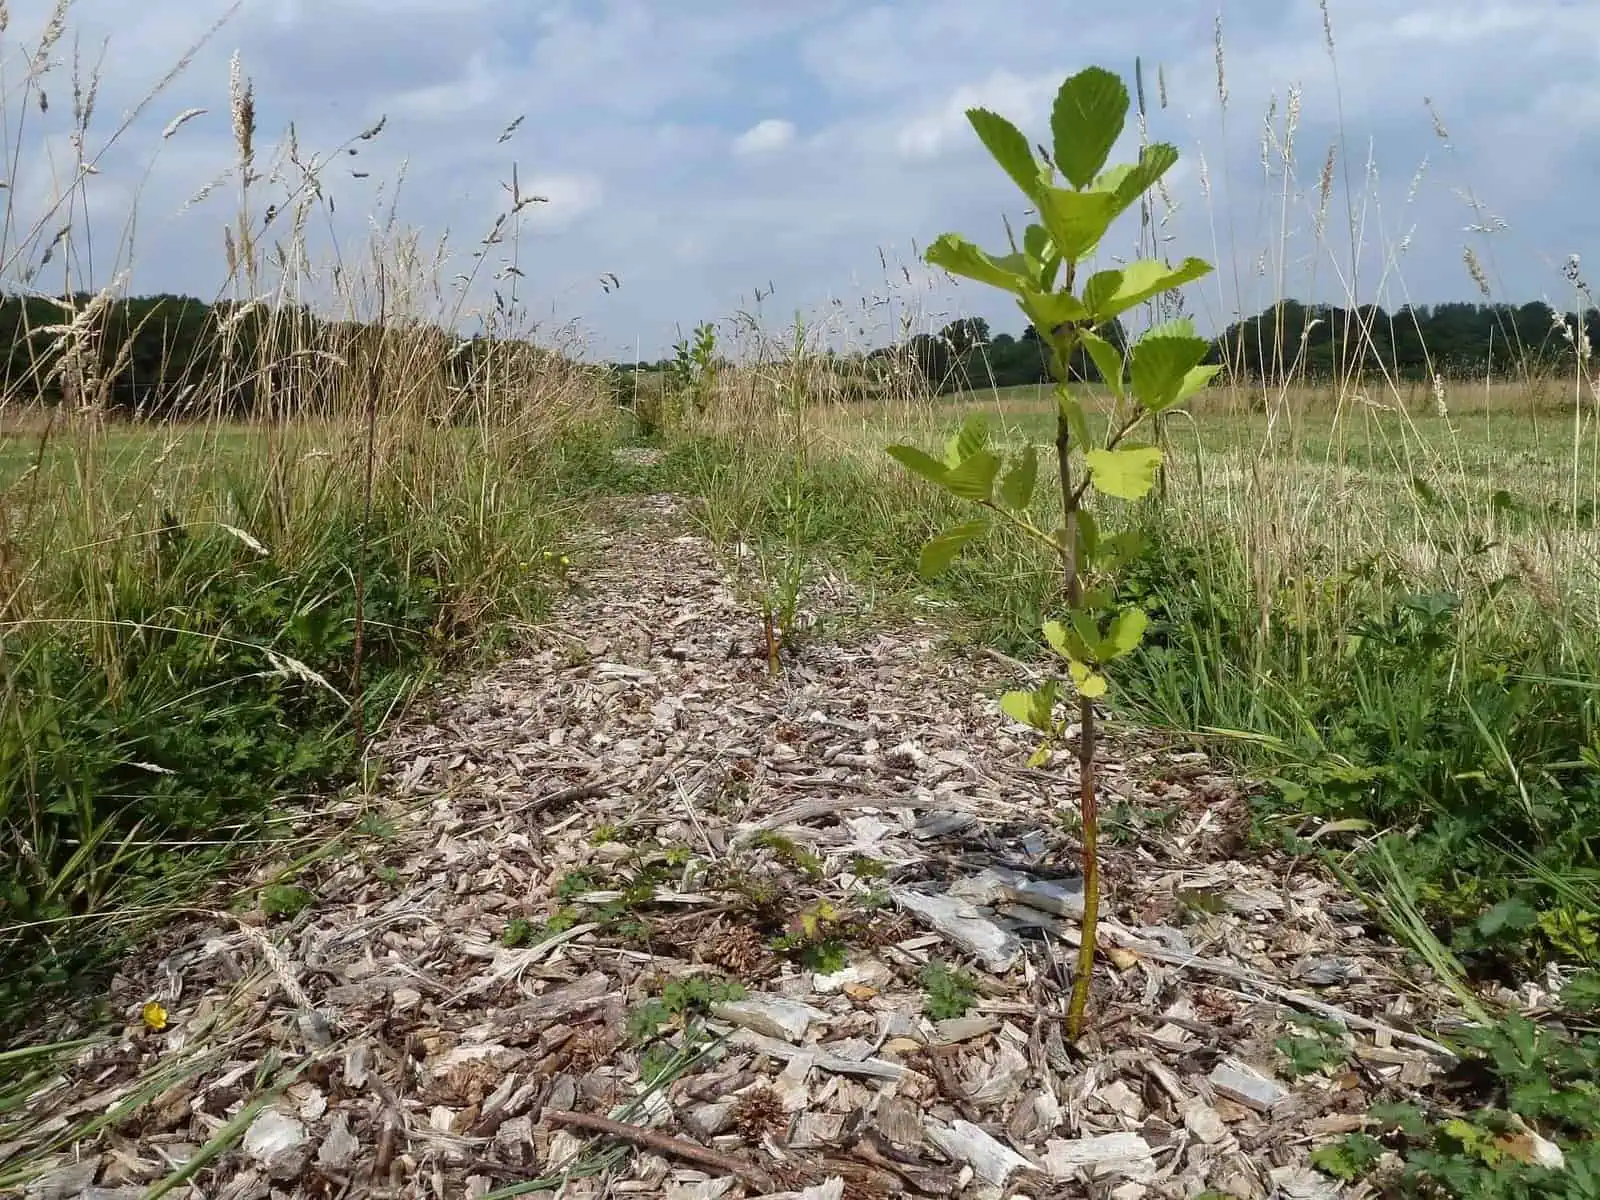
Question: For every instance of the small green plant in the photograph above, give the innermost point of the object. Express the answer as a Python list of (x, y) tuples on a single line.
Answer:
[(575, 883), (1349, 1158), (680, 999), (519, 931), (947, 992), (1529, 1124), (863, 866), (1321, 1045), (814, 938), (693, 370), (285, 901), (1161, 370), (791, 852), (784, 575)]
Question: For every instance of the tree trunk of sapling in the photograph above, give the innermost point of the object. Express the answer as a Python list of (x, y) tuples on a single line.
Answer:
[(1088, 805)]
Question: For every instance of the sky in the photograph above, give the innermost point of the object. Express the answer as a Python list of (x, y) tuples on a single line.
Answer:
[(747, 162)]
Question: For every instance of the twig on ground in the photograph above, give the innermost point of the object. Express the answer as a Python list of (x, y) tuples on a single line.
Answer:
[(663, 1144)]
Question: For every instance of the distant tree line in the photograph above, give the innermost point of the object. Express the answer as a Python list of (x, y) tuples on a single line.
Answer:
[(1414, 342), (1289, 340), (172, 356)]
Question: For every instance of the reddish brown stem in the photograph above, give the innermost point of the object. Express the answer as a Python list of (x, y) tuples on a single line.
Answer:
[(1089, 810)]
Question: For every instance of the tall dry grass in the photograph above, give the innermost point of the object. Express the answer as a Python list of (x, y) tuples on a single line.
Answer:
[(205, 620)]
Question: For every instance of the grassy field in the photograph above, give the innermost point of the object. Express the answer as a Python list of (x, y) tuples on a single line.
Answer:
[(1394, 618)]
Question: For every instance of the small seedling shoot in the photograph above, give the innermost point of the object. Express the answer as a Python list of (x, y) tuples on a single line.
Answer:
[(1076, 198)]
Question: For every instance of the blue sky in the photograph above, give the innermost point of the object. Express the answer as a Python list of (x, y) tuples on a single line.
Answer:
[(703, 149)]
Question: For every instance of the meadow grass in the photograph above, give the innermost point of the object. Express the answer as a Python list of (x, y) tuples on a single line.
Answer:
[(206, 621), (1392, 617)]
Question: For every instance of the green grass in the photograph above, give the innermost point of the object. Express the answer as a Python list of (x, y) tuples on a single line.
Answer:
[(176, 682), (1391, 618)]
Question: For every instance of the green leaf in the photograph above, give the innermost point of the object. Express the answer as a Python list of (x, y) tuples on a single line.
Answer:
[(1128, 473), (974, 478), (1086, 122), (1035, 708), (1036, 244), (955, 254), (921, 462), (1076, 221), (1127, 182), (1066, 642), (1110, 293), (1512, 914), (1126, 632), (1016, 489), (941, 550), (1088, 631), (969, 439), (1047, 310), (1107, 358), (1072, 412), (1090, 683), (1160, 363), (1196, 379), (1009, 147), (1120, 549), (1088, 535), (1582, 992)]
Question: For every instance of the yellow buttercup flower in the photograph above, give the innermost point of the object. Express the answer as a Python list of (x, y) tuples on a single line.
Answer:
[(155, 1016)]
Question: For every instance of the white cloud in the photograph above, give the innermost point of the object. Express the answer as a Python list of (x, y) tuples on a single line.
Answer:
[(933, 133), (565, 199), (764, 137), (637, 114)]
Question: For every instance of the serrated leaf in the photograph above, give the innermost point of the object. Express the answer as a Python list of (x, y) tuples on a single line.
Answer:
[(1195, 380), (953, 253), (1107, 359), (974, 478), (1128, 473), (1088, 535), (1086, 122), (1582, 992), (1110, 293), (1090, 683), (1035, 709), (1127, 182), (1047, 310), (1514, 914), (1160, 362), (921, 462), (1072, 412), (968, 440), (1126, 632), (1076, 221), (1066, 642), (941, 550), (1016, 489), (1036, 244), (1008, 146)]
